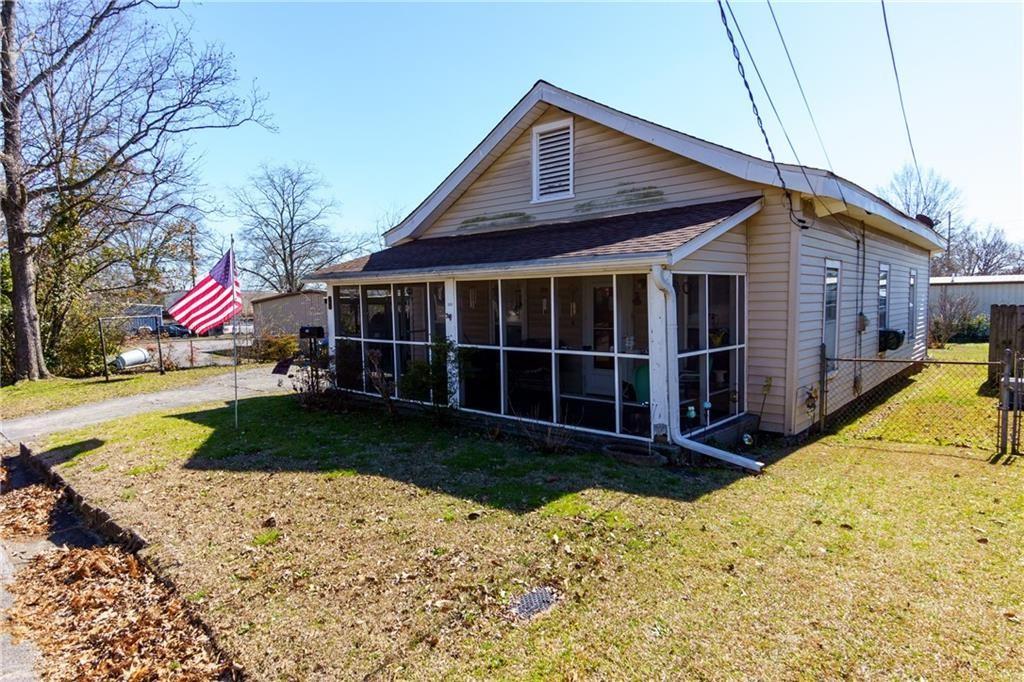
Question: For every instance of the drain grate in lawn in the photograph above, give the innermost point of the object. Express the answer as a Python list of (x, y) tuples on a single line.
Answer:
[(534, 602)]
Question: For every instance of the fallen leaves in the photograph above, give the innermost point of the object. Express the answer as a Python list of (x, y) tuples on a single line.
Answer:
[(26, 512), (98, 613)]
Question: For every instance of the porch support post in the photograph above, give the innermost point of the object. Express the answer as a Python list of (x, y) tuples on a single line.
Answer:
[(451, 330), (660, 363), (329, 305)]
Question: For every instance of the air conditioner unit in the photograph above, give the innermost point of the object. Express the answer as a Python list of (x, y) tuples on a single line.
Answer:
[(890, 339)]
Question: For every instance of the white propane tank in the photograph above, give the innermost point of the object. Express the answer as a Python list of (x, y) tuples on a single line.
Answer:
[(131, 358)]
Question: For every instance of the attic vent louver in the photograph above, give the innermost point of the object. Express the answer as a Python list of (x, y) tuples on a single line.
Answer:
[(553, 161)]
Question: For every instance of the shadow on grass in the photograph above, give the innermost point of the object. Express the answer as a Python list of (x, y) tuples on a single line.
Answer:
[(65, 453), (277, 435)]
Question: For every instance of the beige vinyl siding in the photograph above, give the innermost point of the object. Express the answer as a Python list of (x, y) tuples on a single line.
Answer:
[(285, 314), (769, 235), (614, 173), (726, 254), (827, 240)]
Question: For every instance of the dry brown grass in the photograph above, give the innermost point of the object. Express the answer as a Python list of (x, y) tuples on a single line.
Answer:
[(399, 546)]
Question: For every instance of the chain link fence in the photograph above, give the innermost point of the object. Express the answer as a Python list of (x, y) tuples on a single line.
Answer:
[(146, 343), (945, 400)]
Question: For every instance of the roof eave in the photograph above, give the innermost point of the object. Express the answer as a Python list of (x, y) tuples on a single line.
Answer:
[(532, 267), (727, 160)]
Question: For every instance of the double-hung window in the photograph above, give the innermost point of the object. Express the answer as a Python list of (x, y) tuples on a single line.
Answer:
[(883, 296), (830, 324)]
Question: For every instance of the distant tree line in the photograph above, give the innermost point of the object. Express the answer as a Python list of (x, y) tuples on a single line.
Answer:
[(101, 202), (972, 250)]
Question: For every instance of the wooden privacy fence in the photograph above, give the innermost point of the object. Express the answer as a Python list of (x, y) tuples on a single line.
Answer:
[(1006, 330)]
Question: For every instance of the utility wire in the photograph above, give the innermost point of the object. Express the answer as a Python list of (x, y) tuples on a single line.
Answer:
[(768, 96), (799, 85), (899, 89), (757, 114)]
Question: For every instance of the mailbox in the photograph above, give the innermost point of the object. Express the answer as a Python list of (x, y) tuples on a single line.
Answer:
[(311, 332)]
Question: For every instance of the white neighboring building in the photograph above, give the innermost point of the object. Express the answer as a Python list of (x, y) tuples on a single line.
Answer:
[(987, 290)]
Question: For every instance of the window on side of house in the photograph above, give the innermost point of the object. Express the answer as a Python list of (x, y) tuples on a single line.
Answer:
[(883, 296), (830, 324), (553, 161), (912, 304)]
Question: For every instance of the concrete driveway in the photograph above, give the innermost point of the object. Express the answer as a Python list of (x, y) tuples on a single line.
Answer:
[(251, 382)]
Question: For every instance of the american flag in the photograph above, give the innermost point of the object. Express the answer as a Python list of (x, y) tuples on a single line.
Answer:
[(215, 299)]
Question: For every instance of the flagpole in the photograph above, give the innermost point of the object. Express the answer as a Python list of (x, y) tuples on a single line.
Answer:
[(234, 329)]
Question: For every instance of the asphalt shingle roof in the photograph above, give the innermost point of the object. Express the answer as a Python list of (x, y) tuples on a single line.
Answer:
[(623, 235)]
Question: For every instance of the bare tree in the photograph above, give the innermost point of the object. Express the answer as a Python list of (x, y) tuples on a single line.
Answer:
[(949, 314), (92, 92), (388, 219), (286, 235), (934, 196), (988, 253)]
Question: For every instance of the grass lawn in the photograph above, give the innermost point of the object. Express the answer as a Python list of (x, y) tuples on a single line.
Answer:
[(941, 405), (33, 397), (340, 546)]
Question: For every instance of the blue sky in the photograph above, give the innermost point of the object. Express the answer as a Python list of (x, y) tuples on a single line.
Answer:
[(385, 100)]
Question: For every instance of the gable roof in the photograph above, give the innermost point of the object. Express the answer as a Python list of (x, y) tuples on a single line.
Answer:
[(655, 235), (856, 201)]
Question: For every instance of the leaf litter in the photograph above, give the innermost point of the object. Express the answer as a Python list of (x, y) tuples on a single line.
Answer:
[(26, 511), (101, 614)]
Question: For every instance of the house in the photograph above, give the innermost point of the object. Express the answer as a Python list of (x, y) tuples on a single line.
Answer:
[(605, 273), (985, 291), (143, 317), (283, 314)]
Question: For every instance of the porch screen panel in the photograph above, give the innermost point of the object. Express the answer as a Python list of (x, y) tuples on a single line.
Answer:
[(377, 322), (712, 320), (411, 312), (346, 311), (478, 312), (526, 312), (528, 382), (631, 304), (480, 379)]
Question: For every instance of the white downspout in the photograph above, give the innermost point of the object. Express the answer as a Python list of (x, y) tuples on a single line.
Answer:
[(663, 280)]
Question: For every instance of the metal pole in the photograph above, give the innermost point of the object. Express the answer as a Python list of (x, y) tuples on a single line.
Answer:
[(234, 328), (192, 271), (1015, 441), (823, 388), (103, 350), (159, 346), (1004, 401)]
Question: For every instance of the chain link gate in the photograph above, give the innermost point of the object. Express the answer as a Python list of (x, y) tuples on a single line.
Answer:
[(944, 402)]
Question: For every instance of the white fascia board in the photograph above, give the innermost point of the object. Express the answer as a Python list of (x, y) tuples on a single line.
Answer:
[(716, 156), (520, 269), (714, 233)]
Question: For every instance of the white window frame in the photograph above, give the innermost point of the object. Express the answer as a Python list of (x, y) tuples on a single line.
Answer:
[(739, 348), (912, 304), (884, 267), (534, 165), (838, 267)]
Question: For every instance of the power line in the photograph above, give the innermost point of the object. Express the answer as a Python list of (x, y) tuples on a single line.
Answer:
[(757, 114), (800, 85), (768, 96), (899, 89)]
